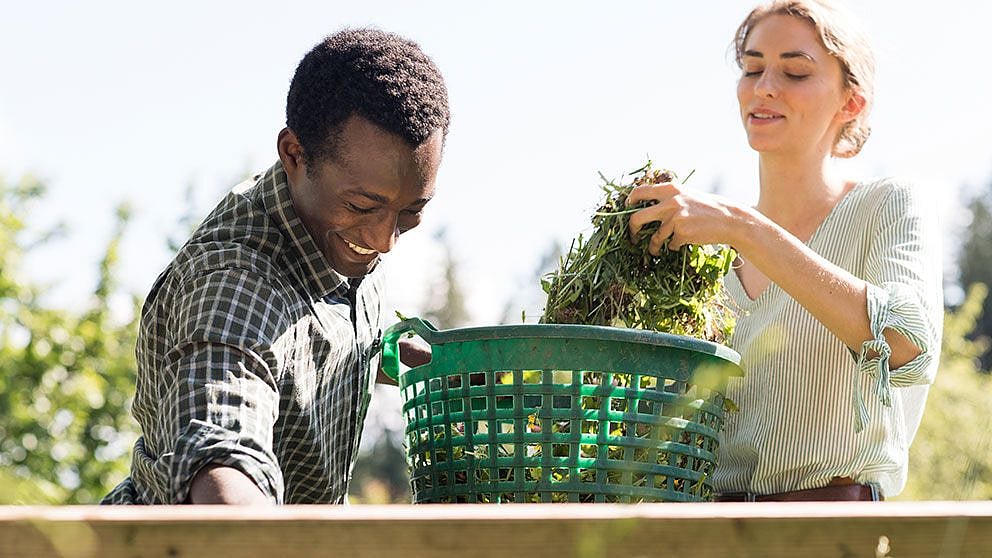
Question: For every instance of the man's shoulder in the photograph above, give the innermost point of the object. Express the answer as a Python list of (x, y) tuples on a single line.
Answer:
[(234, 300), (238, 233), (236, 256)]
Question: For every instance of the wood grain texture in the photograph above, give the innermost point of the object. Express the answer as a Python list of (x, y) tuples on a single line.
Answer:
[(946, 529)]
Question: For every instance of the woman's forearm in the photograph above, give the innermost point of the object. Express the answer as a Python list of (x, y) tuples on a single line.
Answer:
[(834, 296)]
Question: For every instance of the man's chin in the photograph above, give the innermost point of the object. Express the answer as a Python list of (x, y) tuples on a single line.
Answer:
[(353, 270)]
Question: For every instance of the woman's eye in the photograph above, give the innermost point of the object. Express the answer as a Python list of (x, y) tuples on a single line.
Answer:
[(796, 77), (751, 73)]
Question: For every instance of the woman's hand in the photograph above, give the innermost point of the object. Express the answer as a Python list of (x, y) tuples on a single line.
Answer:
[(686, 216)]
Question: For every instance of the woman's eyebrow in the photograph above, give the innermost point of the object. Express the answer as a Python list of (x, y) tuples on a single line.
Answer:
[(797, 54), (789, 54)]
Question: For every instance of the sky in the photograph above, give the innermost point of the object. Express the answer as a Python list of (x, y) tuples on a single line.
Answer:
[(111, 102)]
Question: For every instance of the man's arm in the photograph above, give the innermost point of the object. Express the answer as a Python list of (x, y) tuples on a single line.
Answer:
[(219, 484), (226, 396)]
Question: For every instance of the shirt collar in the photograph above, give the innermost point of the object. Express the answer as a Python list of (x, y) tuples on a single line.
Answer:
[(305, 256)]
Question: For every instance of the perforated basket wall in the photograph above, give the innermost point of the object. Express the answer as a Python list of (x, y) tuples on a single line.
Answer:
[(554, 413)]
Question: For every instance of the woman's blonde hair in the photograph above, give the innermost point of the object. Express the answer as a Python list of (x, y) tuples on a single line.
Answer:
[(843, 38)]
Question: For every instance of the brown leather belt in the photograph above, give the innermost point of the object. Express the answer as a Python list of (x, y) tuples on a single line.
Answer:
[(834, 492)]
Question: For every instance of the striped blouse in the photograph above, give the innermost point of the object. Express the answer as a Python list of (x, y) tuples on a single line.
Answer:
[(809, 408)]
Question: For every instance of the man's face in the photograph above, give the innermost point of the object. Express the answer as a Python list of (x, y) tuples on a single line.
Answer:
[(356, 203)]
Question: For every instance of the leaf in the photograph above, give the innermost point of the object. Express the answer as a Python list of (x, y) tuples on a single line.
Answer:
[(729, 405)]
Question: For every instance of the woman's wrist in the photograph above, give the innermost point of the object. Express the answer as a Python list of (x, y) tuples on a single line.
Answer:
[(746, 226)]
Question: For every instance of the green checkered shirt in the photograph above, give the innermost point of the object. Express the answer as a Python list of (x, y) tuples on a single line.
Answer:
[(253, 353)]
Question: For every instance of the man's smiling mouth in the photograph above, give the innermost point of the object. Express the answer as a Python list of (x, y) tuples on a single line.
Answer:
[(358, 249)]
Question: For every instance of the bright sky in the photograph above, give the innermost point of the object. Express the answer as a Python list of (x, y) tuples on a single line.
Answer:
[(115, 101)]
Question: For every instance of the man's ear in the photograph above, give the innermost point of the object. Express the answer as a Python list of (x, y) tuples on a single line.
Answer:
[(291, 153), (854, 106)]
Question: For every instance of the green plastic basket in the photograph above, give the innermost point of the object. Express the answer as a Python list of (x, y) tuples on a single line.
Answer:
[(561, 413)]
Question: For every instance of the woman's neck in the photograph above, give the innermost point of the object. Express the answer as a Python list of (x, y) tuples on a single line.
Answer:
[(798, 194)]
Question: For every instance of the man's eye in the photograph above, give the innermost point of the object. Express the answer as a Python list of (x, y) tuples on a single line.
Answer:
[(359, 209), (409, 219)]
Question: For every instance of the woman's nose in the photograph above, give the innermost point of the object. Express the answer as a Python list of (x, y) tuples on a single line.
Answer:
[(766, 85)]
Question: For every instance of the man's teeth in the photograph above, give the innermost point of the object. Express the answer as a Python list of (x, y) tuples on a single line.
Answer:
[(359, 249)]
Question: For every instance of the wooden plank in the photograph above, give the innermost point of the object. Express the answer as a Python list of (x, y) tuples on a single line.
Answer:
[(952, 529)]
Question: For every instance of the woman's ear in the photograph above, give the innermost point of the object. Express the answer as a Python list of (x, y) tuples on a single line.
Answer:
[(854, 106)]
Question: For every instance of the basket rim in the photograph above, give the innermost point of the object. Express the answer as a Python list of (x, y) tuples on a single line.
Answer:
[(574, 331)]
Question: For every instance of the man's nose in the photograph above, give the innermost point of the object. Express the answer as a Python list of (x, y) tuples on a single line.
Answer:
[(382, 235)]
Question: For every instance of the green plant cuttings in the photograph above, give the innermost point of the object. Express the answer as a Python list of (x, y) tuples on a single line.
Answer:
[(607, 280)]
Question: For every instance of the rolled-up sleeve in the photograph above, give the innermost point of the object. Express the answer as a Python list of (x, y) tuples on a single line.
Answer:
[(226, 397), (904, 295)]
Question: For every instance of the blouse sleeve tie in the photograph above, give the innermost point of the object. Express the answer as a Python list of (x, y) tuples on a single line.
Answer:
[(892, 306)]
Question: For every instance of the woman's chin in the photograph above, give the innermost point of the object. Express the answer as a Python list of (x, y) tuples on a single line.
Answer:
[(764, 147)]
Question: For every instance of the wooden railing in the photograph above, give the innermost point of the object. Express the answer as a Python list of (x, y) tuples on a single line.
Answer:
[(804, 530)]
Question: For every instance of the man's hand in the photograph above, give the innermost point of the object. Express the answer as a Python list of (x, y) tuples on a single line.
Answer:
[(219, 484), (412, 354)]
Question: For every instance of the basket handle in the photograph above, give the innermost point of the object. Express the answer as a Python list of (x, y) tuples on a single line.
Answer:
[(391, 337)]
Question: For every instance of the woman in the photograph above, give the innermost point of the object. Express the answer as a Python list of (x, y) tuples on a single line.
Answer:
[(838, 281)]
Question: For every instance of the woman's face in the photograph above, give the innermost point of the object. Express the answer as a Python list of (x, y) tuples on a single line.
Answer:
[(791, 93)]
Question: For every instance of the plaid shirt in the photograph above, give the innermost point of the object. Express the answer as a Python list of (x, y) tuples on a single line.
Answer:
[(253, 353)]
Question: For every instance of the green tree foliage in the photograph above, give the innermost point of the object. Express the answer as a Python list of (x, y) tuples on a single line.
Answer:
[(445, 305), (951, 457), (68, 375), (975, 261)]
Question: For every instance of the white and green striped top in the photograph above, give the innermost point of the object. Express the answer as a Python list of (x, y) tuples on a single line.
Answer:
[(809, 408)]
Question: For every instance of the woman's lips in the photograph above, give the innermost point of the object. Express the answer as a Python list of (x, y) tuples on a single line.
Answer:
[(761, 117)]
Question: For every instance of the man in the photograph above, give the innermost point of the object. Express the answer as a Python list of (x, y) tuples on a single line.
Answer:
[(257, 342)]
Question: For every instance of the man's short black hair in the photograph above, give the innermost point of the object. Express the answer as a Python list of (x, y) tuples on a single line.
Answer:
[(379, 76)]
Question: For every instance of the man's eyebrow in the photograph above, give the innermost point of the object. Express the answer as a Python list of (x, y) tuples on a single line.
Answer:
[(372, 196), (383, 200)]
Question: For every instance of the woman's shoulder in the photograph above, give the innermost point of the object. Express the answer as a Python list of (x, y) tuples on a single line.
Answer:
[(885, 186), (898, 193)]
